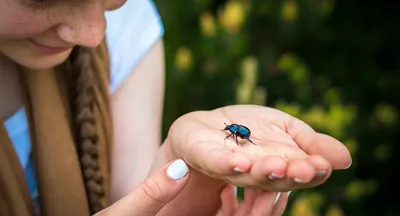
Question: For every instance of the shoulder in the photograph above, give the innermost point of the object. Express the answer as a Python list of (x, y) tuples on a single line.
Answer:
[(131, 32)]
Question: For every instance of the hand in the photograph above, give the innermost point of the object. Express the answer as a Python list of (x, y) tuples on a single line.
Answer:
[(287, 154), (153, 194), (256, 202)]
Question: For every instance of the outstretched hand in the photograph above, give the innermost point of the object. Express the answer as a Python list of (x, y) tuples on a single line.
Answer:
[(286, 153)]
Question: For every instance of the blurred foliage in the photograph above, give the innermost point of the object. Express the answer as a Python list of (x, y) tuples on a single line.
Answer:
[(330, 63)]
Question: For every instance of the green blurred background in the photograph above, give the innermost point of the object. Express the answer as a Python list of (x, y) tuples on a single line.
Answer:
[(330, 63)]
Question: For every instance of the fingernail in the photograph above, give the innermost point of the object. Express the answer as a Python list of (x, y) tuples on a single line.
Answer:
[(320, 173), (273, 176), (237, 169), (300, 180), (349, 165), (277, 197), (235, 190), (177, 170)]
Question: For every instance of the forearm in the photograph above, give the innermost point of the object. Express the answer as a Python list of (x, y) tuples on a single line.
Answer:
[(200, 197)]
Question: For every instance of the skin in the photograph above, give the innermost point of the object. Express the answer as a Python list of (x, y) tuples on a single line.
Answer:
[(256, 202), (289, 154), (136, 145), (159, 189), (287, 149)]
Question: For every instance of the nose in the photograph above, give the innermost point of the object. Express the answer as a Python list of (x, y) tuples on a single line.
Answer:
[(114, 4), (84, 25)]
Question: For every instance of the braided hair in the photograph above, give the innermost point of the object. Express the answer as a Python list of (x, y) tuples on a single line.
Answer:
[(84, 64)]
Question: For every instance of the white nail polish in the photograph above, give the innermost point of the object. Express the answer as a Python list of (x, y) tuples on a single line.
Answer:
[(300, 180), (349, 165), (177, 170), (277, 197), (320, 173), (273, 176), (237, 169)]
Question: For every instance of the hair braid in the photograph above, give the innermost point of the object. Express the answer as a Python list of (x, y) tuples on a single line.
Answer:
[(85, 79)]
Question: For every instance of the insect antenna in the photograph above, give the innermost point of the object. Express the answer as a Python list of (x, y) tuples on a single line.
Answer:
[(224, 128)]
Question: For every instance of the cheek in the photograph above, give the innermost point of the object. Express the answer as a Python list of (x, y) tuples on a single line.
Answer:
[(22, 23)]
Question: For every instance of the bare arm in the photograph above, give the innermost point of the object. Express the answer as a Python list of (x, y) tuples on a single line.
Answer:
[(137, 114), (137, 111)]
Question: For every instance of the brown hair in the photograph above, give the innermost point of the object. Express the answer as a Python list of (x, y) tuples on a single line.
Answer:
[(70, 127), (87, 86)]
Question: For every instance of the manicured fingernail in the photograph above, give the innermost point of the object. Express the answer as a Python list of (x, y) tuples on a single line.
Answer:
[(273, 176), (237, 169), (235, 190), (277, 197), (177, 170), (349, 165), (300, 180), (320, 173)]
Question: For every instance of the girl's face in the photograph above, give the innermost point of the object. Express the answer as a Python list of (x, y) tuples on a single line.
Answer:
[(40, 34)]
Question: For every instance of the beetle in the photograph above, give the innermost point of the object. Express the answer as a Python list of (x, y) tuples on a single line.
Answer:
[(237, 130)]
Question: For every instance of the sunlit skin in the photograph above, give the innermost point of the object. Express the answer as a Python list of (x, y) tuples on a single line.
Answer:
[(281, 145), (288, 153), (28, 25)]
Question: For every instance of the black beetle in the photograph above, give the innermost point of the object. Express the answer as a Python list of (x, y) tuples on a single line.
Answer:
[(238, 131)]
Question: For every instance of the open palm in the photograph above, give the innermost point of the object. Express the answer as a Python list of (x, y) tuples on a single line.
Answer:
[(286, 153)]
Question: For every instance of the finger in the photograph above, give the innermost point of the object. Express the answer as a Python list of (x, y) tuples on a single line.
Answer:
[(264, 204), (269, 168), (216, 160), (300, 171), (304, 172), (321, 165), (316, 143), (153, 194), (250, 195), (280, 206), (229, 203)]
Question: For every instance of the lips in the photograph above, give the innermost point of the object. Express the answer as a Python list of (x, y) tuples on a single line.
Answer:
[(51, 50)]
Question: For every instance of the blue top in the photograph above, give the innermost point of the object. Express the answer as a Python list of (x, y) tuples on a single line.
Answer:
[(131, 31)]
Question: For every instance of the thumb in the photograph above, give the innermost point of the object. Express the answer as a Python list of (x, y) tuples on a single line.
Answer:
[(153, 193)]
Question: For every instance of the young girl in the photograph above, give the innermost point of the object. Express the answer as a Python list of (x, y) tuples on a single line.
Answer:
[(81, 109)]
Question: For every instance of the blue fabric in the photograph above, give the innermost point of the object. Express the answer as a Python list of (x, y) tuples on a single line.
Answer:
[(132, 30)]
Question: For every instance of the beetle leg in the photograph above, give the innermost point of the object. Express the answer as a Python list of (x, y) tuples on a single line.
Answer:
[(237, 142), (250, 141), (229, 136)]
